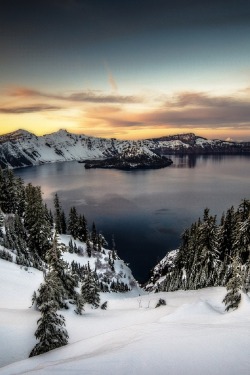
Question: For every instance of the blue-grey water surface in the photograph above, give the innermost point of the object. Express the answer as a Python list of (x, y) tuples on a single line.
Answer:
[(146, 210)]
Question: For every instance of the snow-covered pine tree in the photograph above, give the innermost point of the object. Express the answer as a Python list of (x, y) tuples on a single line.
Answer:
[(79, 302), (94, 237), (209, 255), (50, 331), (82, 229), (1, 223), (36, 221), (90, 289), (234, 286), (8, 192), (88, 248), (56, 263), (241, 243)]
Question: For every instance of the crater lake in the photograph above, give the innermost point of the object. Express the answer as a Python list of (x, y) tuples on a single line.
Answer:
[(145, 210)]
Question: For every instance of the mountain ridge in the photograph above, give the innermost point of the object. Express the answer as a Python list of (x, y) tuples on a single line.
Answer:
[(22, 148)]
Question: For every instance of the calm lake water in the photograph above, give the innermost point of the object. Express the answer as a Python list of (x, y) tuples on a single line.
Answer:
[(148, 210)]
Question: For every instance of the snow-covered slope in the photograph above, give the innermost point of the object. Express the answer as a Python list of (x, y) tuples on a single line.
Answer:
[(22, 148), (191, 335), (160, 270)]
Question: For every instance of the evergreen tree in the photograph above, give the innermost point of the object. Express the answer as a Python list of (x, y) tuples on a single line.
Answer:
[(57, 216), (94, 237), (226, 235), (63, 222), (241, 243), (79, 302), (90, 290), (56, 262), (50, 331), (88, 248), (8, 192), (73, 223), (82, 229), (1, 223), (36, 221), (234, 287)]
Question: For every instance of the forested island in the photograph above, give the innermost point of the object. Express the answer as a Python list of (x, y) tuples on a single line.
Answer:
[(130, 162)]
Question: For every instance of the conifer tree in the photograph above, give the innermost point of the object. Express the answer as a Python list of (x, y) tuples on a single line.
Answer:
[(73, 223), (90, 290), (57, 216), (36, 221), (1, 223), (94, 237), (56, 262), (88, 248), (82, 229), (63, 222), (234, 286), (50, 331), (79, 302)]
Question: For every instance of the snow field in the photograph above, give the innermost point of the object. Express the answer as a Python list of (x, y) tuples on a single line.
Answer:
[(191, 335)]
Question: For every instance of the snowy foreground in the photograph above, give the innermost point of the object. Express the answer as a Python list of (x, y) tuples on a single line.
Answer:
[(191, 335)]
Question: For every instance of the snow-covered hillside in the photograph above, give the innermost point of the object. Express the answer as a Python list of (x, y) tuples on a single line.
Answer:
[(191, 335), (22, 148)]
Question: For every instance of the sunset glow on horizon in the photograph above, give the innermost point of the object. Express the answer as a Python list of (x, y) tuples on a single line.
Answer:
[(125, 70)]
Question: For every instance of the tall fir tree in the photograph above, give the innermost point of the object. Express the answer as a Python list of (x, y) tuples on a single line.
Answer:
[(51, 331), (57, 215), (36, 221), (234, 286), (73, 223), (90, 289)]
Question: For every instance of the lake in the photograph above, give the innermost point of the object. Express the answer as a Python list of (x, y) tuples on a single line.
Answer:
[(145, 210)]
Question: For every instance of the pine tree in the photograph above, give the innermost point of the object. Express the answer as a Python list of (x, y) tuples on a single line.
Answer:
[(226, 235), (1, 223), (56, 262), (90, 290), (234, 287), (88, 248), (50, 331), (94, 237), (36, 221), (57, 216), (82, 229), (79, 302), (63, 222), (241, 243), (73, 223)]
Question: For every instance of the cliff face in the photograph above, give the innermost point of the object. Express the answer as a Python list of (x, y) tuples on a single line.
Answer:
[(21, 148)]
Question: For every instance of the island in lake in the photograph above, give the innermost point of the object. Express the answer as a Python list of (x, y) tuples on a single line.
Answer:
[(130, 161)]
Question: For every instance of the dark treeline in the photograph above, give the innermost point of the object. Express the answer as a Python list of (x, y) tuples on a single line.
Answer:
[(30, 225), (29, 236), (213, 254)]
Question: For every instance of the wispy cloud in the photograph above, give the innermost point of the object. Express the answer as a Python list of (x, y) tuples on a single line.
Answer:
[(89, 96), (201, 99), (28, 109)]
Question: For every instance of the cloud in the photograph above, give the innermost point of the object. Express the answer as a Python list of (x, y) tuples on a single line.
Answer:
[(88, 96), (200, 99), (187, 110), (112, 82), (28, 109)]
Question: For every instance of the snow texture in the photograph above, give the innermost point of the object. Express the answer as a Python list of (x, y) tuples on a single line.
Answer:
[(191, 335)]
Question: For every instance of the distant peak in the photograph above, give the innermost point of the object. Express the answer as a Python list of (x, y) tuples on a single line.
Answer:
[(17, 134)]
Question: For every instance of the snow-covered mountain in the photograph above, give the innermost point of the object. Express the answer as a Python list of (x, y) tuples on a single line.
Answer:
[(22, 148)]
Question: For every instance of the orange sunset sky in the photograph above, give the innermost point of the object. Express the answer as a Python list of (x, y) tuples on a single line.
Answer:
[(120, 69)]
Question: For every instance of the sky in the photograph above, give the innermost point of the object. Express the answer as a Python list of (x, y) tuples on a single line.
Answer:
[(126, 69)]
